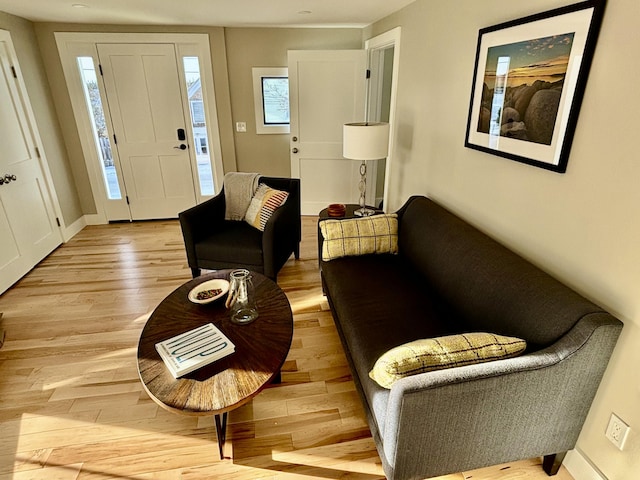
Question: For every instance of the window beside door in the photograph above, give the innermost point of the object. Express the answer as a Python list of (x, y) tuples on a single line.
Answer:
[(198, 124), (99, 126)]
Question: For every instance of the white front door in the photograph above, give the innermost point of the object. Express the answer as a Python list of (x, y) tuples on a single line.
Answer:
[(28, 229), (145, 100), (326, 90)]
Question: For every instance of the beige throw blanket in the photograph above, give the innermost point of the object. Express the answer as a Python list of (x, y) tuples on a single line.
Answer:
[(239, 188)]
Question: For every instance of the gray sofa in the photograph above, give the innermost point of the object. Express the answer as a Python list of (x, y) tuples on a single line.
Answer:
[(450, 278)]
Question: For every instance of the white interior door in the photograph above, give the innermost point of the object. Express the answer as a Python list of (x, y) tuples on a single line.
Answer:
[(326, 90), (145, 100), (28, 229)]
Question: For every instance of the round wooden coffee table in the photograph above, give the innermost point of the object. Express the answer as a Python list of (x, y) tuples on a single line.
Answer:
[(228, 383)]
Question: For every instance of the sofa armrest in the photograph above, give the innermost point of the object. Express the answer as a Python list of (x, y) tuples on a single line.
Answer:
[(199, 222), (485, 414)]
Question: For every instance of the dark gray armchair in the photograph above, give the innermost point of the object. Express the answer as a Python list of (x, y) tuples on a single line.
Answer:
[(215, 243)]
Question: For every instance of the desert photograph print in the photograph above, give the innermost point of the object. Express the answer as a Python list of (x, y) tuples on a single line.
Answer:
[(529, 79)]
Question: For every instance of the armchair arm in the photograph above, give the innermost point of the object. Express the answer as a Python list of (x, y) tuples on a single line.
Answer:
[(281, 235), (282, 232), (199, 222), (533, 405)]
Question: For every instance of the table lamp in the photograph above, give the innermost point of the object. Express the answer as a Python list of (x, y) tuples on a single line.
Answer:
[(365, 141)]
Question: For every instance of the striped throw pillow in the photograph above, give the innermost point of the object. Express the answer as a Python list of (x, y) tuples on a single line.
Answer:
[(443, 352), (359, 236), (264, 202)]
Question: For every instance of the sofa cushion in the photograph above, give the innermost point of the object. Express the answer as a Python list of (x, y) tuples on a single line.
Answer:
[(359, 236), (430, 354), (386, 304), (264, 202)]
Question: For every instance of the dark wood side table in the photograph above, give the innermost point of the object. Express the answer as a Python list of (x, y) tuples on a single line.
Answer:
[(224, 385), (350, 208)]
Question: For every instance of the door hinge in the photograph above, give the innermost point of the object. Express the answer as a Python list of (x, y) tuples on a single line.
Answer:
[(115, 140), (58, 222), (13, 71), (38, 152), (127, 199), (368, 74), (100, 68)]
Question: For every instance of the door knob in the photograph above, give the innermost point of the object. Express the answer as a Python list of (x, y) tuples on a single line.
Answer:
[(295, 150), (182, 146)]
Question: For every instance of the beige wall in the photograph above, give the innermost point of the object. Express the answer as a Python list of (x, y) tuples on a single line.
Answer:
[(584, 225), (35, 78), (261, 47)]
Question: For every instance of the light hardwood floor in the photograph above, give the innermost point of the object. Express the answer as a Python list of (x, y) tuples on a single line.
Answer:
[(72, 406)]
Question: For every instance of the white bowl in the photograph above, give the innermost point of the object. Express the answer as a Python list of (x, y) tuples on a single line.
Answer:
[(216, 283)]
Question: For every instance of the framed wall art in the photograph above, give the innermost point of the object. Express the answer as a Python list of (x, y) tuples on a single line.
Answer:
[(529, 80)]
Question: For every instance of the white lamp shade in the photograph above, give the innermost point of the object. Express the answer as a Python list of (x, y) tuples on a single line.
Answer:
[(365, 141)]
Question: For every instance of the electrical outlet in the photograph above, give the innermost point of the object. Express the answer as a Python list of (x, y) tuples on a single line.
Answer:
[(617, 431), (241, 127)]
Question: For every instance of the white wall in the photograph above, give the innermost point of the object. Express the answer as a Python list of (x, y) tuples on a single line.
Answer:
[(582, 226)]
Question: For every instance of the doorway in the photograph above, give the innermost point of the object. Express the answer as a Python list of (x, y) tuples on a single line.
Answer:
[(384, 63), (145, 110), (145, 100), (328, 88)]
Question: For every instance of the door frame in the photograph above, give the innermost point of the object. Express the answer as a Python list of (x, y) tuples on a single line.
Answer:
[(74, 44), (378, 43)]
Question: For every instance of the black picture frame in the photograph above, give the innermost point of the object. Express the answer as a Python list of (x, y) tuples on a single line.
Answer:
[(528, 83)]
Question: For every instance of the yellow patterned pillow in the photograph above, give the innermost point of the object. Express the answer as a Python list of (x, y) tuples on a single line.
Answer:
[(359, 236), (264, 202), (443, 352)]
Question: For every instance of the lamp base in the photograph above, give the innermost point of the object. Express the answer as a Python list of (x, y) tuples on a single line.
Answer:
[(364, 212)]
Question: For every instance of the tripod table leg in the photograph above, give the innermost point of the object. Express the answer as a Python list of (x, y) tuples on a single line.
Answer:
[(221, 432)]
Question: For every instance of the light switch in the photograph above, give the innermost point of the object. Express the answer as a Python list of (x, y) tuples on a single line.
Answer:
[(241, 127)]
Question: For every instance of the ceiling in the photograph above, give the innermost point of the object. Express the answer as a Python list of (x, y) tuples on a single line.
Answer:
[(229, 13)]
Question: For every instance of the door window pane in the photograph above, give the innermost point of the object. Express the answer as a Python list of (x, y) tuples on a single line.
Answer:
[(198, 124), (99, 126)]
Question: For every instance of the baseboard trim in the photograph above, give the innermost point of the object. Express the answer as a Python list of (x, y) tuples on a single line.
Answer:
[(580, 468), (95, 219), (72, 230), (69, 232)]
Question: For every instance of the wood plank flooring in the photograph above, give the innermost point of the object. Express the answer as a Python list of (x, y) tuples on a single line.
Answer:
[(72, 406)]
